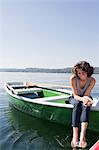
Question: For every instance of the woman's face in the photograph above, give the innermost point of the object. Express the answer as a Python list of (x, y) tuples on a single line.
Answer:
[(82, 74)]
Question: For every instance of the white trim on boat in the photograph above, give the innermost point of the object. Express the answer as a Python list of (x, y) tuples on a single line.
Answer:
[(26, 91), (42, 101)]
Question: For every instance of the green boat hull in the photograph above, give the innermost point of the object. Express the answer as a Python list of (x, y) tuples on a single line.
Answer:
[(61, 115)]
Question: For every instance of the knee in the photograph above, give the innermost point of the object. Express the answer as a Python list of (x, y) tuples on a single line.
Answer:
[(74, 102), (77, 104)]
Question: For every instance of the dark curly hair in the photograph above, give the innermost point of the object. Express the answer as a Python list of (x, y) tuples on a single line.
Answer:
[(85, 66)]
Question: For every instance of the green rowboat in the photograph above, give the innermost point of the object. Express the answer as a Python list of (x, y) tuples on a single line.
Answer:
[(46, 103)]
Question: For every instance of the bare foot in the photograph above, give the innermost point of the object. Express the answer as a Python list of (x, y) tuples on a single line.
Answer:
[(83, 144), (74, 143)]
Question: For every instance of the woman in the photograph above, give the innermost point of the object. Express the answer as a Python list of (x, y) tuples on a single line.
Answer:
[(82, 84)]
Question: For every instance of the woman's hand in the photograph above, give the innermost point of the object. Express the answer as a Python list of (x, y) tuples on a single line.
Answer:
[(87, 101)]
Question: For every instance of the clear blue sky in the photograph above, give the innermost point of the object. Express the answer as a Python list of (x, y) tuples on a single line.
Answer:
[(48, 33)]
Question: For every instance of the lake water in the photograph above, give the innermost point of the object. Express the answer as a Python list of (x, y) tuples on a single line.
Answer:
[(19, 131)]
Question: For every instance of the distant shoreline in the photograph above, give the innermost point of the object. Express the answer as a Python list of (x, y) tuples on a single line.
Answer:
[(43, 70)]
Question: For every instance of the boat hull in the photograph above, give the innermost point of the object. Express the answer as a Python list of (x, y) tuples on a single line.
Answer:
[(61, 115)]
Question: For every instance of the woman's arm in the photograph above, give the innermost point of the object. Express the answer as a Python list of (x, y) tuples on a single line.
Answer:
[(87, 93), (89, 89), (85, 99)]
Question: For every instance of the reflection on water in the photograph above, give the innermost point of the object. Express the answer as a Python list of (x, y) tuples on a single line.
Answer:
[(32, 133)]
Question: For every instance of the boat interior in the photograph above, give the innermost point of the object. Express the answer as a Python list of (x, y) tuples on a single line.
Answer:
[(41, 93)]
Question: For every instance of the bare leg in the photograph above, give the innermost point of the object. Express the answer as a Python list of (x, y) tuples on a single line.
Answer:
[(83, 142), (74, 141)]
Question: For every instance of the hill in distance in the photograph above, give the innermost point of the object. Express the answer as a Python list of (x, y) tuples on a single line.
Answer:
[(45, 70)]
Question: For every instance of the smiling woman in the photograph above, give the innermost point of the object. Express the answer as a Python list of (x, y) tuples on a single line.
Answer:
[(82, 84), (84, 68)]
